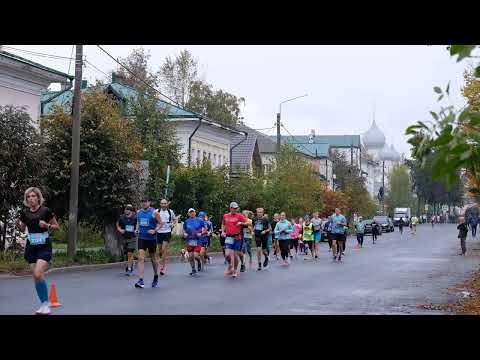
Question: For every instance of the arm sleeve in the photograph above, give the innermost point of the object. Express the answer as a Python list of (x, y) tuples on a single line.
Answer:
[(185, 226)]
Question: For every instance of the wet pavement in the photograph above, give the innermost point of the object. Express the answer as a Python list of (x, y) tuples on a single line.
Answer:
[(393, 276)]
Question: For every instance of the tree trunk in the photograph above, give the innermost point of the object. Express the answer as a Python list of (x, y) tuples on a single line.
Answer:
[(3, 235), (112, 241)]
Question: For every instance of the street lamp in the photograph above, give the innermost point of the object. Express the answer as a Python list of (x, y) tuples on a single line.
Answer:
[(279, 117)]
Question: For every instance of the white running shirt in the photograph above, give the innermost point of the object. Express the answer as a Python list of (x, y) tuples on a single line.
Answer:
[(165, 216)]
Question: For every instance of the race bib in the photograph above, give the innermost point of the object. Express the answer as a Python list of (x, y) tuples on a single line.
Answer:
[(229, 240), (144, 222), (38, 238), (259, 227), (192, 242), (129, 228)]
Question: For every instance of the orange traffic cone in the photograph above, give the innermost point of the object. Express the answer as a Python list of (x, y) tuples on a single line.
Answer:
[(53, 296)]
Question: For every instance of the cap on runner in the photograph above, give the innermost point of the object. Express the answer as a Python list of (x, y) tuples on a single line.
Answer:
[(129, 207), (190, 210), (202, 214), (233, 205)]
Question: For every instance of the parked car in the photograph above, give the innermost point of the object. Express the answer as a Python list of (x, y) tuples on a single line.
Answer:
[(385, 222), (368, 227)]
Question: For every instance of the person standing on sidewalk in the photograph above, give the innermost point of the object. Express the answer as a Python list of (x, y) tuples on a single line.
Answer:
[(462, 234), (38, 220), (126, 225), (282, 233), (147, 228), (164, 235)]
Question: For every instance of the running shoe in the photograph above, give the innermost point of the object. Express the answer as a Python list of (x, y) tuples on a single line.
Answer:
[(228, 271), (242, 268), (127, 271), (193, 272), (265, 263), (155, 282), (316, 257), (235, 274), (259, 267), (162, 270), (140, 284), (43, 310), (334, 258)]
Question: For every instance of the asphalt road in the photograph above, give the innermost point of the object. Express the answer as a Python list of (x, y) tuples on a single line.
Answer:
[(391, 277)]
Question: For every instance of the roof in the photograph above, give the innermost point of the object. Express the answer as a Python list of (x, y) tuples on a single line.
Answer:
[(242, 154), (122, 91), (34, 64), (374, 137), (335, 141)]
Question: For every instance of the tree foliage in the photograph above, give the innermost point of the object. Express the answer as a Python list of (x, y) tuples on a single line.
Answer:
[(137, 63), (399, 193), (108, 145), (22, 160)]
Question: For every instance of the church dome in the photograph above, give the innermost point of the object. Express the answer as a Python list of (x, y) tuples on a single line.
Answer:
[(374, 137), (397, 156)]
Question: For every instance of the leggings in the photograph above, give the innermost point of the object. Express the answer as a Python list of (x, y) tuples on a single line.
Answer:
[(294, 244), (374, 236), (329, 237), (283, 244), (360, 239), (340, 246)]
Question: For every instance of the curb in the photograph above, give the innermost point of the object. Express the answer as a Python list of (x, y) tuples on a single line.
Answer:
[(77, 268)]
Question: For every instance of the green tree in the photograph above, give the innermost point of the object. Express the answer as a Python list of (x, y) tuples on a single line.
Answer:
[(108, 171), (399, 193), (21, 160), (137, 63)]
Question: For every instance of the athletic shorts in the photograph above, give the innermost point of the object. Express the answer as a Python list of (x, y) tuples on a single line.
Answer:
[(222, 241), (38, 252), (317, 236), (237, 245), (161, 237), (150, 245), (309, 243), (338, 237), (261, 241), (194, 248)]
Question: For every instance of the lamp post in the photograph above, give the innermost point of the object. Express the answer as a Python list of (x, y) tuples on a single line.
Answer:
[(279, 118)]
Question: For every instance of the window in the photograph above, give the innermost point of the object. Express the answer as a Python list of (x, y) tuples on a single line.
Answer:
[(215, 160), (198, 156), (193, 155), (204, 155), (209, 155)]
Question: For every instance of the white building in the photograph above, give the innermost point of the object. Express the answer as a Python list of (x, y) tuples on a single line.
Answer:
[(22, 83), (377, 155)]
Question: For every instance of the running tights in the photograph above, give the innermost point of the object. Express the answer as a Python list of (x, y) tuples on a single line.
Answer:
[(340, 246), (374, 236), (360, 239), (283, 244), (42, 290)]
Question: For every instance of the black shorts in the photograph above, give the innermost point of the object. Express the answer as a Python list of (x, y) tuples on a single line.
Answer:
[(261, 241), (309, 243), (222, 241), (36, 252), (151, 245), (161, 237), (338, 237)]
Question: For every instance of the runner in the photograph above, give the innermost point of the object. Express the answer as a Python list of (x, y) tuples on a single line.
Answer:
[(301, 245), (126, 225), (231, 228), (164, 234), (193, 229), (247, 241), (294, 235), (400, 225), (360, 229), (275, 220), (338, 230), (414, 222), (328, 229), (432, 220), (270, 237), (317, 233), (262, 229), (375, 231), (282, 233), (38, 220), (462, 234), (308, 238), (147, 227), (209, 237), (203, 240)]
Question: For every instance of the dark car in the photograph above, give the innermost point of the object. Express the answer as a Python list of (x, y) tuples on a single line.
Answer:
[(385, 222), (368, 227)]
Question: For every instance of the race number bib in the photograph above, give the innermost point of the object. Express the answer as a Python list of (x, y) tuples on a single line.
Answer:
[(192, 242), (129, 228), (144, 222), (229, 240), (259, 227), (38, 238)]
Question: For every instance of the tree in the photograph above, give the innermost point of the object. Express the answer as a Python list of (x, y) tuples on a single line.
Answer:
[(137, 63), (108, 169), (21, 161), (177, 76), (158, 138), (452, 138), (331, 200), (399, 193), (218, 105)]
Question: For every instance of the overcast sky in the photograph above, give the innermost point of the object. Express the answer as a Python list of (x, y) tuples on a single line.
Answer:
[(342, 82)]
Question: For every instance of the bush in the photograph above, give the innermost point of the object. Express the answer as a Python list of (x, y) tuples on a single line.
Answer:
[(88, 235)]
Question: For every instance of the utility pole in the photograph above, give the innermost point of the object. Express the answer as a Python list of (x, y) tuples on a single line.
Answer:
[(74, 177), (383, 187), (166, 183), (278, 133)]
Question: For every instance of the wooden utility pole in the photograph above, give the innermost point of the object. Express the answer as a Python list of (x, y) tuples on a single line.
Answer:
[(74, 177), (278, 133)]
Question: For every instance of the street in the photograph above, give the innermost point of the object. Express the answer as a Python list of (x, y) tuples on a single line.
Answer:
[(393, 276)]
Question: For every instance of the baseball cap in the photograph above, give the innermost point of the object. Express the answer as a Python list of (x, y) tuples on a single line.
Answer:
[(234, 205), (202, 214), (191, 209), (129, 207)]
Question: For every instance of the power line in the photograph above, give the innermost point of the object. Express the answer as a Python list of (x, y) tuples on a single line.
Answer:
[(96, 68), (293, 137), (70, 62), (39, 54)]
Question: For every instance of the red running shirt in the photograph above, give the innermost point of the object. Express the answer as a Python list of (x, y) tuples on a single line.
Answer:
[(230, 221)]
